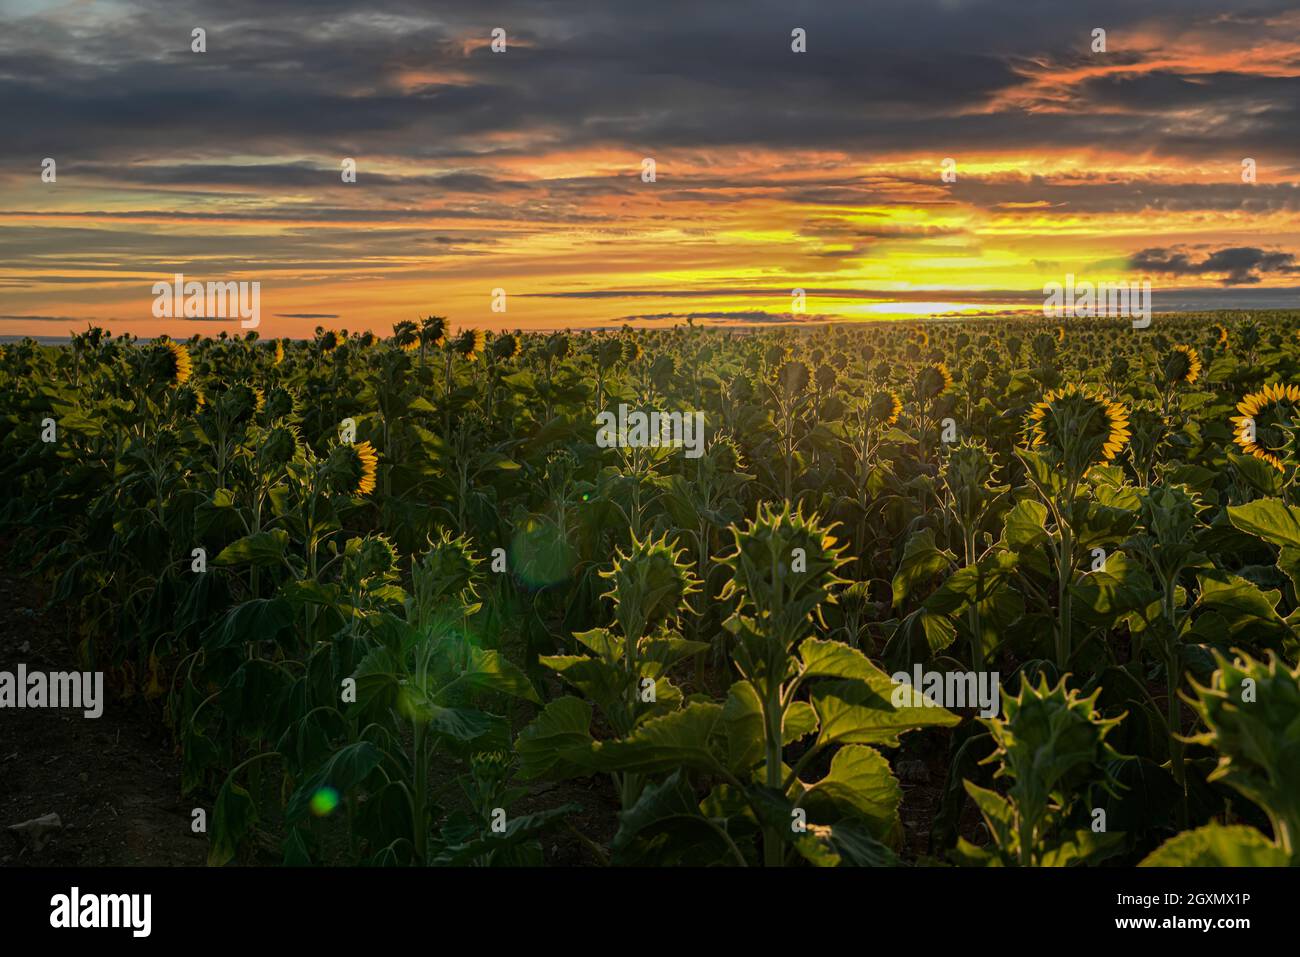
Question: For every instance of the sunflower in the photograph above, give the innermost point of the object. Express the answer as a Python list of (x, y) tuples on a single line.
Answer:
[(189, 399), (279, 352), (923, 339), (330, 340), (1246, 428), (369, 461), (181, 366), (507, 347), (1183, 365), (1080, 424), (433, 331), (1060, 333), (470, 343), (259, 399), (934, 380), (1222, 339), (886, 406)]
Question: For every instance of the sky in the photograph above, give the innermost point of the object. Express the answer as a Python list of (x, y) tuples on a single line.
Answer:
[(523, 171)]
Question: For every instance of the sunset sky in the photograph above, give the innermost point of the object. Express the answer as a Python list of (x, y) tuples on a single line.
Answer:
[(522, 170)]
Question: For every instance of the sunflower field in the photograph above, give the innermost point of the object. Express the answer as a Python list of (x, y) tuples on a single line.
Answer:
[(395, 606)]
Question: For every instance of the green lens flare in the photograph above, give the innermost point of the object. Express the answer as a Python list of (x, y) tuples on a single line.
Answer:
[(324, 801)]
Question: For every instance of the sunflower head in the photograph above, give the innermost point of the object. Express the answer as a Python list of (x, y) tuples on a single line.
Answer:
[(241, 402), (279, 446), (1221, 337), (969, 467), (1182, 365), (188, 399), (558, 346), (1266, 424), (177, 363), (649, 584), (825, 377), (784, 567), (662, 371), (470, 343), (934, 380), (793, 377), (1079, 427), (446, 573), (372, 558), (329, 340), (351, 468), (608, 353), (433, 331), (279, 352), (724, 456), (505, 347), (279, 402), (1052, 741), (632, 351), (885, 407)]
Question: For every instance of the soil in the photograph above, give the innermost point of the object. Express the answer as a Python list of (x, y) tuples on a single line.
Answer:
[(114, 781)]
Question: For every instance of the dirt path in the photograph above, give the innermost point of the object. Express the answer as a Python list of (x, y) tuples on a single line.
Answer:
[(113, 780)]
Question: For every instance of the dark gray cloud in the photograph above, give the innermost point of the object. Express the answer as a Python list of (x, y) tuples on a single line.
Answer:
[(393, 78), (1237, 265)]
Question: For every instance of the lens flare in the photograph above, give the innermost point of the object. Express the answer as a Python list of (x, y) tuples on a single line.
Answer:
[(324, 801)]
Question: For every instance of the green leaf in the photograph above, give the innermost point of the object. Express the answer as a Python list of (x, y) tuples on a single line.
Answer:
[(1215, 845), (1270, 519), (668, 810), (859, 785), (742, 718), (1249, 613), (862, 712), (680, 739), (1025, 525), (232, 816), (599, 681), (918, 637), (922, 560), (464, 724), (558, 743), (262, 619), (264, 548), (834, 659), (1121, 588), (491, 670), (1258, 473)]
